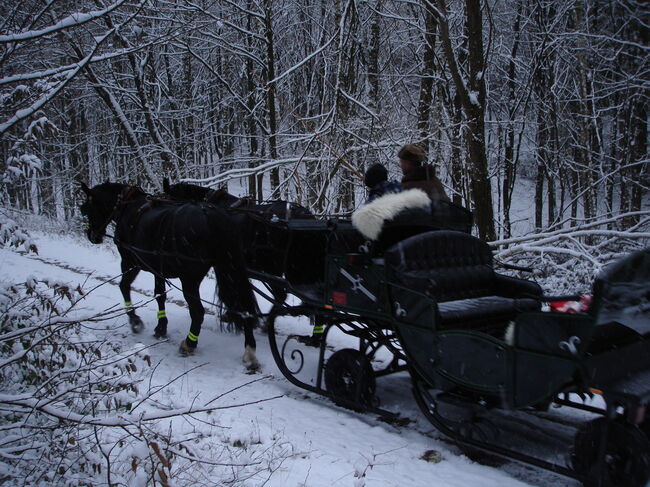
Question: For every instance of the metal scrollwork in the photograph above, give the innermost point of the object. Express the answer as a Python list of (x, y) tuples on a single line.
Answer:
[(296, 355), (571, 345)]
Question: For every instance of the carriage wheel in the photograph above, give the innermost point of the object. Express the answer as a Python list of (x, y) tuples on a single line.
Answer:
[(349, 376), (451, 416), (626, 460)]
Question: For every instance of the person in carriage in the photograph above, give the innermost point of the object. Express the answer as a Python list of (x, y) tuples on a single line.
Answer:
[(376, 180), (418, 174)]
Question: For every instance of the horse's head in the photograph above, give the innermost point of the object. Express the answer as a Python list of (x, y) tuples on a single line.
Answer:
[(99, 207)]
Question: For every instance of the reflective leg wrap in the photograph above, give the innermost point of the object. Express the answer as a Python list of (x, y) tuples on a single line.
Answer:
[(162, 314), (318, 330), (192, 340)]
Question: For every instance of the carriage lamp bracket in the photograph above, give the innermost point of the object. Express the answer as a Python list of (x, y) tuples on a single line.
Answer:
[(357, 285), (571, 345), (399, 311)]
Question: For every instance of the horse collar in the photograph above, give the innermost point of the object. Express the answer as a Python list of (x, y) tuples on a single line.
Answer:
[(122, 199), (214, 195), (128, 193)]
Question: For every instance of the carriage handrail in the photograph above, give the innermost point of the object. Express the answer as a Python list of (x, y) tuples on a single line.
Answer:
[(513, 267)]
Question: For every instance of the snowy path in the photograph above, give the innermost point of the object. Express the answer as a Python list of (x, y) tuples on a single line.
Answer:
[(328, 443)]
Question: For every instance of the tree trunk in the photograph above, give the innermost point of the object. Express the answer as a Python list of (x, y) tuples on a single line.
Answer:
[(472, 96), (426, 82), (270, 96), (639, 154), (510, 165)]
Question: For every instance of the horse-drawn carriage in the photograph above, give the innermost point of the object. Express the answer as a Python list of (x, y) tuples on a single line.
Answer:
[(413, 287), (473, 341)]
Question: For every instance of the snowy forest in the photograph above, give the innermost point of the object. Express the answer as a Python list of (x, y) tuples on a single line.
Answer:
[(534, 114), (295, 99)]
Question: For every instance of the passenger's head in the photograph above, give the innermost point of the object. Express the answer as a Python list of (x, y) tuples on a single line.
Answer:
[(410, 156), (375, 174)]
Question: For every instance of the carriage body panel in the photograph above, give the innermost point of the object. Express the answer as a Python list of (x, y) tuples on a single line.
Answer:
[(476, 340), (439, 293)]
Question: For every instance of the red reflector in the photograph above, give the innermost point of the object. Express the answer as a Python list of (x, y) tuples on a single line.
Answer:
[(352, 259), (339, 298), (572, 306)]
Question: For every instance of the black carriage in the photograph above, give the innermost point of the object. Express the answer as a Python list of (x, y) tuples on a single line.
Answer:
[(472, 340)]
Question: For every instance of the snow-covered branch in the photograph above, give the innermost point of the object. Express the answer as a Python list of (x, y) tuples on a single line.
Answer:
[(50, 95), (72, 20), (70, 396)]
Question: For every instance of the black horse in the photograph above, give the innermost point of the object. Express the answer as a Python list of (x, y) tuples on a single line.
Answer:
[(171, 240), (268, 248), (193, 192), (220, 197)]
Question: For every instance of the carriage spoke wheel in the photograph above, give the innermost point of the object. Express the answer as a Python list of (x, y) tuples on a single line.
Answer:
[(627, 455), (349, 376), (450, 416)]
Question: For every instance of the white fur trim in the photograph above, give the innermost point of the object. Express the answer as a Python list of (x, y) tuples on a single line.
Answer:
[(370, 218)]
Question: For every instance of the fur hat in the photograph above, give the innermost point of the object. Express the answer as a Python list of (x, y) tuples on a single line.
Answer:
[(375, 175), (413, 153)]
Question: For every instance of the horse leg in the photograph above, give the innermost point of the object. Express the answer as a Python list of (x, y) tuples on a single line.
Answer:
[(193, 299), (236, 293), (279, 298), (161, 297), (317, 331), (128, 276), (250, 357)]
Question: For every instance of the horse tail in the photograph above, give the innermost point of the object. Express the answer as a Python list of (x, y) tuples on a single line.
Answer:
[(225, 323), (166, 186), (233, 287)]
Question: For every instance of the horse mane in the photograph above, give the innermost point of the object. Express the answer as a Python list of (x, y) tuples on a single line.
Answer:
[(111, 187)]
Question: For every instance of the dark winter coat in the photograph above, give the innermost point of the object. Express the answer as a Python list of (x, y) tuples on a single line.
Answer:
[(423, 177), (383, 188)]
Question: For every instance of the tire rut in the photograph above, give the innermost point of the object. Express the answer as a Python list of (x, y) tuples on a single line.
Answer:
[(102, 278)]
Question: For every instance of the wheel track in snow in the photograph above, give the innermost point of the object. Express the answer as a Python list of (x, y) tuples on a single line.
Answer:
[(102, 278)]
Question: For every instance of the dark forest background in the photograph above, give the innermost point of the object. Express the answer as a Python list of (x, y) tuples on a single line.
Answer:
[(297, 98)]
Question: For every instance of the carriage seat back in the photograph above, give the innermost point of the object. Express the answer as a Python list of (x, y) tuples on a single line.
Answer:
[(456, 270), (449, 265)]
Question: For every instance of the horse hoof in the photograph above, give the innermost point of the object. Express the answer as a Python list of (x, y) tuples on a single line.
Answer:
[(253, 367), (160, 334), (185, 350), (137, 325)]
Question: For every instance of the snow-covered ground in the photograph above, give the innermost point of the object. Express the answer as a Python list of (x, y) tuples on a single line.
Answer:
[(321, 444)]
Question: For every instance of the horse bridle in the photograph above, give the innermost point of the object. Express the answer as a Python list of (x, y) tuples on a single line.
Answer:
[(122, 198)]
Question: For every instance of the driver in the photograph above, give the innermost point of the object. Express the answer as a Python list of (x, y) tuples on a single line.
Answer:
[(417, 174)]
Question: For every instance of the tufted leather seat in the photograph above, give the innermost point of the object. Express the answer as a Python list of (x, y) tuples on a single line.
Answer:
[(497, 308), (456, 270)]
